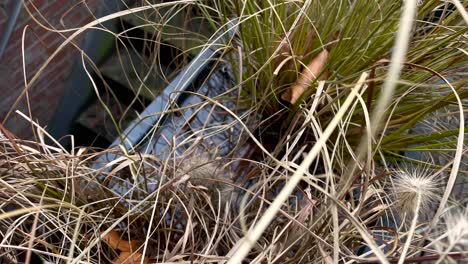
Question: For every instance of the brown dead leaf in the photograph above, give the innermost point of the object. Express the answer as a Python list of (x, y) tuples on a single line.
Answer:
[(128, 253), (131, 258), (114, 241), (308, 75)]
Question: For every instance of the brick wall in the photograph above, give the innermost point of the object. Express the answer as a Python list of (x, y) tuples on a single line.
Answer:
[(39, 44)]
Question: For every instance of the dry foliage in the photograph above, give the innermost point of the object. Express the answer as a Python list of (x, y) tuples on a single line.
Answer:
[(232, 175)]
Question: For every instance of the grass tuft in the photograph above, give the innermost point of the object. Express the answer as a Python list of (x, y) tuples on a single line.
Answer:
[(285, 154)]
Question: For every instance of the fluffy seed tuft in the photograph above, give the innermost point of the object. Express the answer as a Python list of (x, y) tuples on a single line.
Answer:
[(409, 185), (457, 229)]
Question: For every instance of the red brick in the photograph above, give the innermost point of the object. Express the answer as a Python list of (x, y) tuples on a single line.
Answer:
[(50, 10), (35, 60), (44, 94)]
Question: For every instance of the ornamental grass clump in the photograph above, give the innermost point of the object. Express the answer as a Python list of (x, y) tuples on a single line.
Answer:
[(290, 159)]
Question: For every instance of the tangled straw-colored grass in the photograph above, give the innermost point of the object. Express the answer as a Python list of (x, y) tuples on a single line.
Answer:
[(246, 177)]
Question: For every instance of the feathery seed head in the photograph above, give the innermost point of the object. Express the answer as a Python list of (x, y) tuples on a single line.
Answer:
[(457, 229), (411, 185)]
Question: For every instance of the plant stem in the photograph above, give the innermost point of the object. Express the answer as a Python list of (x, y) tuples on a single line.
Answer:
[(411, 231)]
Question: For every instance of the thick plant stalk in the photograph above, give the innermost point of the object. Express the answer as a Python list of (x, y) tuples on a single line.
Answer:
[(411, 231), (400, 48), (396, 63), (461, 9)]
